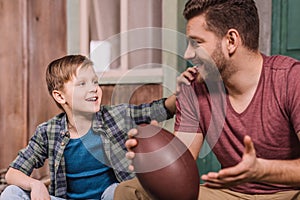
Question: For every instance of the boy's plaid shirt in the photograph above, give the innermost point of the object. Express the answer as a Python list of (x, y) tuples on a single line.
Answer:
[(111, 122)]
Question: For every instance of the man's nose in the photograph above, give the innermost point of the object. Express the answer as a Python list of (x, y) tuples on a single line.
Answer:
[(189, 53)]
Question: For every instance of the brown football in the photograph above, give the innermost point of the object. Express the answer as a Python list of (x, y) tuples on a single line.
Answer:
[(164, 166)]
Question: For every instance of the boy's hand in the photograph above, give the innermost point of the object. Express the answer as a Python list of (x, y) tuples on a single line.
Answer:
[(132, 142), (39, 191), (186, 77)]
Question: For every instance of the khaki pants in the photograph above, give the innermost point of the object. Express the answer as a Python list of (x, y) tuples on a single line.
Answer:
[(132, 189)]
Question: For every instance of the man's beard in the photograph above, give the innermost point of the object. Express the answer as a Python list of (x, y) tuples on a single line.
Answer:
[(211, 68), (219, 61), (223, 69)]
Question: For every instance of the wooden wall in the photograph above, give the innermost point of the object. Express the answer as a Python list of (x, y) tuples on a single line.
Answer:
[(33, 33), (133, 94), (13, 80)]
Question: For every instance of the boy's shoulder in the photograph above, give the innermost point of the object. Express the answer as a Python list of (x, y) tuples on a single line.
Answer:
[(112, 110), (127, 107), (54, 124), (115, 106), (122, 108)]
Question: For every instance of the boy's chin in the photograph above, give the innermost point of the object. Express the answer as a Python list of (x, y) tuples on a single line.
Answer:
[(93, 110), (97, 110)]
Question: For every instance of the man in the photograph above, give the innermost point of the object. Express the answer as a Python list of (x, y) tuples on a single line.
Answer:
[(249, 114)]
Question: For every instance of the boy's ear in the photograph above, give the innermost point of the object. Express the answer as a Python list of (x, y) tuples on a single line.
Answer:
[(58, 96)]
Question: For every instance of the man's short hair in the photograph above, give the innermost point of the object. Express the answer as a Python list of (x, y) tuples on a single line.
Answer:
[(222, 15)]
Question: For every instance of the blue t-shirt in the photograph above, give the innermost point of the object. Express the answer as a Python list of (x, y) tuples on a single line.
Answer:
[(87, 171)]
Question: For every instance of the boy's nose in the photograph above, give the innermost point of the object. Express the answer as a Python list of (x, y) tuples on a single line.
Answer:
[(94, 88)]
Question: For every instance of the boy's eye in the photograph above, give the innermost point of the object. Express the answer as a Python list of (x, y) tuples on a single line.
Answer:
[(81, 83), (96, 82)]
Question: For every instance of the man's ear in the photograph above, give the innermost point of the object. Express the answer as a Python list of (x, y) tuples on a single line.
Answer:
[(233, 41), (58, 96)]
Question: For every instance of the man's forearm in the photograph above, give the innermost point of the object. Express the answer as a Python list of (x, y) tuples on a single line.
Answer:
[(285, 172)]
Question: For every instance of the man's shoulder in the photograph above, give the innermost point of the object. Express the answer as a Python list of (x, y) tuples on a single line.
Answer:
[(280, 62)]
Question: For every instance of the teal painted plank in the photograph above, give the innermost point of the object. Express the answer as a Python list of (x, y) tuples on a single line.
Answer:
[(276, 27), (286, 28), (207, 161), (293, 25)]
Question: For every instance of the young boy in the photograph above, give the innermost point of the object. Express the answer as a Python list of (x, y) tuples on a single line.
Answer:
[(85, 144)]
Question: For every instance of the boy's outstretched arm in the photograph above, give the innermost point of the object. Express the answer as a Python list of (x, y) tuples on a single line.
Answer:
[(170, 104)]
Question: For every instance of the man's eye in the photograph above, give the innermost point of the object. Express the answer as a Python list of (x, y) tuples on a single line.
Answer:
[(194, 43)]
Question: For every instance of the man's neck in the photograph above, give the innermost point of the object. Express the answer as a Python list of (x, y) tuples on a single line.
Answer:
[(242, 84), (246, 75)]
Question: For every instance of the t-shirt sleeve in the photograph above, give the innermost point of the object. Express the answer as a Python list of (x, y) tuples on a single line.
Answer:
[(187, 111), (293, 96)]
